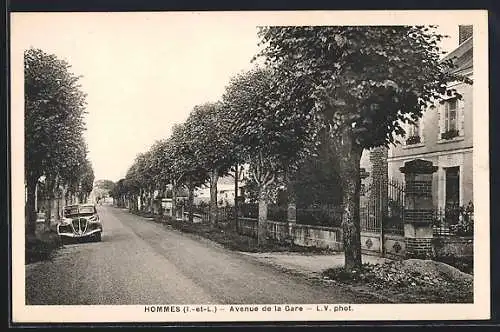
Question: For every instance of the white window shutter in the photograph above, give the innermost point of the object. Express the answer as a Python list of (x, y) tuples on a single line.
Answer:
[(441, 109), (461, 117)]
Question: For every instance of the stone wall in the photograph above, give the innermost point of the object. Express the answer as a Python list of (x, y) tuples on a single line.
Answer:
[(301, 235), (395, 246), (317, 236), (370, 242), (457, 246), (455, 251), (418, 248)]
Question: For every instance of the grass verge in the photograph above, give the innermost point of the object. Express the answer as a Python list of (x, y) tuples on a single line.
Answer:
[(42, 247), (225, 235)]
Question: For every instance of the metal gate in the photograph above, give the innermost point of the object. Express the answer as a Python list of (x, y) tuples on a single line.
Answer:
[(382, 207)]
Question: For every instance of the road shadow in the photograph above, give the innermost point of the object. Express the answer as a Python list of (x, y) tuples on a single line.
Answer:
[(72, 241)]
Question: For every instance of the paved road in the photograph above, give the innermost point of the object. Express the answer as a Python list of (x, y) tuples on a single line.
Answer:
[(142, 262)]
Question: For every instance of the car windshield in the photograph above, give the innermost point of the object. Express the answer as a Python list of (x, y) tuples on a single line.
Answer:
[(78, 210)]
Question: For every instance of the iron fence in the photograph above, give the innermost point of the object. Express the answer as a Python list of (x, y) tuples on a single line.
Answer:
[(225, 213), (316, 216), (454, 221), (320, 216), (248, 210), (382, 207), (277, 213)]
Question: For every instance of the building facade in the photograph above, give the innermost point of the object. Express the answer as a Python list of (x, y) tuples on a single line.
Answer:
[(225, 190), (444, 136)]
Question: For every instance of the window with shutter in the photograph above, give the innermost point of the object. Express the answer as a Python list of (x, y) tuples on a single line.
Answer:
[(461, 117), (414, 133), (449, 122), (451, 108)]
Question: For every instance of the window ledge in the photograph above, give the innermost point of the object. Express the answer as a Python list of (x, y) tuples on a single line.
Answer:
[(451, 140), (411, 146)]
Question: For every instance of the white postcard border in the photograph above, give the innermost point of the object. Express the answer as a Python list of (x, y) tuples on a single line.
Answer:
[(480, 309)]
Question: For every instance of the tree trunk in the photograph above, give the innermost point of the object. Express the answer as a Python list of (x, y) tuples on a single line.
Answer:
[(37, 193), (49, 197), (236, 207), (30, 213), (58, 206), (173, 211), (160, 200), (348, 157), (140, 202), (214, 177), (291, 199), (190, 201), (151, 201), (48, 210), (262, 221), (147, 194), (146, 200)]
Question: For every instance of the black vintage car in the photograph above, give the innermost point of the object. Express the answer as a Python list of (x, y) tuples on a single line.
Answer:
[(80, 221)]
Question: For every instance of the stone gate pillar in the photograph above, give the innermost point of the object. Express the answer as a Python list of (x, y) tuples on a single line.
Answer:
[(419, 209)]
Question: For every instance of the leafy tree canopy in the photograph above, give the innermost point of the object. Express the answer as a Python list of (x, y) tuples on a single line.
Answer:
[(105, 184), (266, 127), (211, 137), (370, 78), (185, 166), (54, 110)]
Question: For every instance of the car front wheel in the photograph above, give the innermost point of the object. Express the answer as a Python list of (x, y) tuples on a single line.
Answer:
[(97, 237)]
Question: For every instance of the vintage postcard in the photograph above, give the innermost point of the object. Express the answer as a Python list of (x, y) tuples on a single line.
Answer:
[(249, 166)]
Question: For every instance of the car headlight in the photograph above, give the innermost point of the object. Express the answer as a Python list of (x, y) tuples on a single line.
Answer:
[(94, 219)]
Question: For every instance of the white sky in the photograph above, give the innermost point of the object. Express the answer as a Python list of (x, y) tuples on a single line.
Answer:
[(143, 72)]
